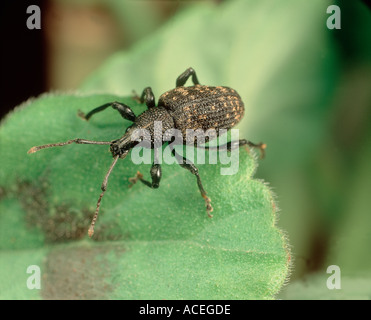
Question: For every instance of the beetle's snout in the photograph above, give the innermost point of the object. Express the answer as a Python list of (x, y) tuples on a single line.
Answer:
[(122, 146), (114, 148)]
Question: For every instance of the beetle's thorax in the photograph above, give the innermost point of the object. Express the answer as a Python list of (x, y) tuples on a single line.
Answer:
[(152, 119), (148, 129)]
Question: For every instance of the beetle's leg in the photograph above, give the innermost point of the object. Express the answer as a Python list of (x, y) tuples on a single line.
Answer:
[(236, 144), (124, 110), (156, 174), (61, 144), (182, 79), (186, 164), (148, 97), (261, 146)]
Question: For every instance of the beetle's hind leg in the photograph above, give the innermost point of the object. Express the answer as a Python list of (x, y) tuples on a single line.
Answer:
[(261, 146), (182, 79), (231, 145)]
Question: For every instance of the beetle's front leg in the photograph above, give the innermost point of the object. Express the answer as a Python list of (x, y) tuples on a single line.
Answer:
[(156, 174)]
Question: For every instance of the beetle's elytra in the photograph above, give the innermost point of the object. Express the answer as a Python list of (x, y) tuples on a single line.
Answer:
[(195, 107), (203, 107)]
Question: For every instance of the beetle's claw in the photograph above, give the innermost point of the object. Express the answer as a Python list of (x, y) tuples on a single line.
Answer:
[(136, 97), (81, 114), (134, 180), (262, 147)]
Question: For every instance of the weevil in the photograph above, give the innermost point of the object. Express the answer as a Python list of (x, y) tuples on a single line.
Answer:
[(194, 107)]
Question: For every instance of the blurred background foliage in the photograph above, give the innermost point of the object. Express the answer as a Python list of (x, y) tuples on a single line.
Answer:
[(307, 91)]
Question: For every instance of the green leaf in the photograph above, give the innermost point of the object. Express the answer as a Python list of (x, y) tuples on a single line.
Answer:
[(149, 244)]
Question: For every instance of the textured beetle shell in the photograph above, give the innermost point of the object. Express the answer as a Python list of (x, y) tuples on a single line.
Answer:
[(203, 107), (147, 120)]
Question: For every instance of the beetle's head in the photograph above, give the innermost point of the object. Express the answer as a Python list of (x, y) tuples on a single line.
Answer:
[(122, 146)]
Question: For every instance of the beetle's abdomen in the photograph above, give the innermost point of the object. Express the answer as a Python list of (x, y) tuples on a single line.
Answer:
[(203, 107)]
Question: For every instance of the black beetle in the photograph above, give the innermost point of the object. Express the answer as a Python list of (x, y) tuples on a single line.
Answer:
[(195, 107)]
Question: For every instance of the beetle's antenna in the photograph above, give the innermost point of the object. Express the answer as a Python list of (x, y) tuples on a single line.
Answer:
[(60, 144), (104, 188)]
